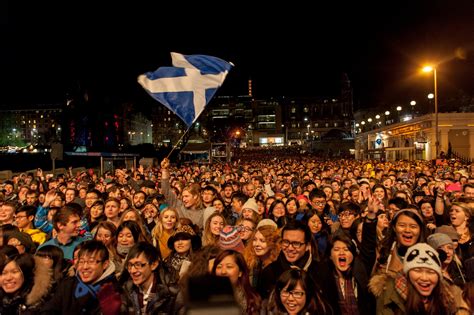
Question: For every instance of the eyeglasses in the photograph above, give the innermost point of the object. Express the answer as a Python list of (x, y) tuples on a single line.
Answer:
[(137, 265), (20, 216), (295, 244), (346, 214), (244, 228), (319, 203), (296, 294), (90, 262)]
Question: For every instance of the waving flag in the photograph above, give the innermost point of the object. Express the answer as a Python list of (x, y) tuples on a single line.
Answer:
[(188, 86)]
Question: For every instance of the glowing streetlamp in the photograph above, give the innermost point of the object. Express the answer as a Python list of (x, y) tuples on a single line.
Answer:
[(412, 105), (435, 79)]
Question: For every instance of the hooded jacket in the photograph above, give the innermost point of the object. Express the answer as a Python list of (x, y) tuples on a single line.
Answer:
[(29, 302)]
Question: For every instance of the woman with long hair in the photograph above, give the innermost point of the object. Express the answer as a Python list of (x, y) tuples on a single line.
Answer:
[(420, 289), (319, 229), (427, 206), (231, 264), (460, 215), (128, 234), (261, 251), (350, 277), (406, 229), (25, 284), (134, 215), (295, 294), (95, 215), (106, 232), (167, 223), (212, 229), (246, 229)]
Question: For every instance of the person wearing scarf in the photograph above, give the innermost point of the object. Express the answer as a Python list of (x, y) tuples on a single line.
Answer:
[(350, 277), (93, 290)]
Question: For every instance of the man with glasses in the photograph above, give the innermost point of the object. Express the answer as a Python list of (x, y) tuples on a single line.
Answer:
[(94, 289), (297, 252), (24, 218), (348, 213), (148, 286)]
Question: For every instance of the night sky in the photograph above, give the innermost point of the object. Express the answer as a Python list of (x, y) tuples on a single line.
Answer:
[(287, 50)]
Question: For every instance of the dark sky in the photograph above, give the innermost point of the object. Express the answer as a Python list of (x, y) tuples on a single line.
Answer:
[(293, 50)]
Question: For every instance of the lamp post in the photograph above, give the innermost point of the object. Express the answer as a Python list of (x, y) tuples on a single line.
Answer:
[(435, 79), (399, 108), (412, 104)]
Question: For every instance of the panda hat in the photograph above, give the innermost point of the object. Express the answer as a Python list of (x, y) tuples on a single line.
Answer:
[(422, 255)]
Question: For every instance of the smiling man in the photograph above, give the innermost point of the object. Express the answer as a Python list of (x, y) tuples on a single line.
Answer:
[(297, 253), (94, 289), (149, 287)]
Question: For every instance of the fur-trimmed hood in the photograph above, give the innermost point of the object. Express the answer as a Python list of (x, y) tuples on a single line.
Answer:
[(384, 272), (377, 284), (42, 283)]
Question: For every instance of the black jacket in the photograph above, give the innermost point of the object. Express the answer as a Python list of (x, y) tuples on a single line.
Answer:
[(318, 272), (74, 297)]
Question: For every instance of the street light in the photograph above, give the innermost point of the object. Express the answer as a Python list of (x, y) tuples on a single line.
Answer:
[(412, 104), (435, 79), (399, 108)]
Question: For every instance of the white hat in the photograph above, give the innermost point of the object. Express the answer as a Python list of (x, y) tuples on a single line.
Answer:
[(266, 222), (250, 204), (422, 255)]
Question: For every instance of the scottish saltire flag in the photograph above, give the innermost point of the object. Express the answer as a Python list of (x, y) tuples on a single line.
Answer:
[(188, 86)]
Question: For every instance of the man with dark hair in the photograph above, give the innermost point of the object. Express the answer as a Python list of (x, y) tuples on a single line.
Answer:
[(24, 219), (297, 252), (208, 194), (238, 201), (67, 223), (468, 190), (148, 287), (94, 290)]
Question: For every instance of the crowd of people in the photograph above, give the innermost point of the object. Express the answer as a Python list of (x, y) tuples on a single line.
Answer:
[(283, 235)]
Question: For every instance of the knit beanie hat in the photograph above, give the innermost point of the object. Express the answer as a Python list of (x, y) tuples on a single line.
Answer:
[(437, 240), (449, 231), (230, 239), (251, 204), (422, 255)]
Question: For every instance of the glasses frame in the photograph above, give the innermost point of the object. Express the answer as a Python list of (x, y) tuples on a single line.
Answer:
[(295, 244), (137, 265), (295, 294)]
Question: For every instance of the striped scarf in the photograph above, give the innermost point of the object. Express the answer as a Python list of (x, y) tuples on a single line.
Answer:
[(347, 295)]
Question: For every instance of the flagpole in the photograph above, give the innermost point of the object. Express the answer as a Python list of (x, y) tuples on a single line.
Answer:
[(176, 145)]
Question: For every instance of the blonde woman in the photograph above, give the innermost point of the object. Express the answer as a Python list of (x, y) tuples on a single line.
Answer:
[(261, 251), (167, 223), (213, 227)]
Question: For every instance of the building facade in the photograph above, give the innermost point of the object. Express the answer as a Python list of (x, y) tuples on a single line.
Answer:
[(416, 138)]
